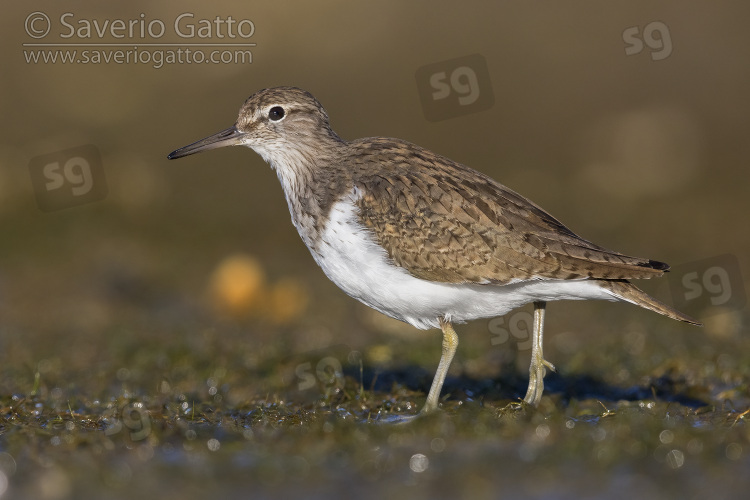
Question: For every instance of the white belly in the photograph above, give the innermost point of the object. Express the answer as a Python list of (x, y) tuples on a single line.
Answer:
[(352, 259)]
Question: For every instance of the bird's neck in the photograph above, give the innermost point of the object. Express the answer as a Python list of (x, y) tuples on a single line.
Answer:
[(304, 170)]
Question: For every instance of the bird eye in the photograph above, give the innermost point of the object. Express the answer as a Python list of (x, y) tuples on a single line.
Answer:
[(276, 113)]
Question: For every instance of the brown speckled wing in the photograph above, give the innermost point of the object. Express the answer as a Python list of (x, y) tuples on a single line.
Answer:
[(443, 221)]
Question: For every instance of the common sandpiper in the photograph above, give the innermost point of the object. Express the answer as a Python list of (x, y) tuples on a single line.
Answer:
[(422, 238)]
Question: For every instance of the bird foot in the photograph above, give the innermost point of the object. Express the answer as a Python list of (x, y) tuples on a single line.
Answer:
[(549, 365)]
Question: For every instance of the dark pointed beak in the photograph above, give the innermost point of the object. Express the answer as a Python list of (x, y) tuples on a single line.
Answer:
[(228, 137)]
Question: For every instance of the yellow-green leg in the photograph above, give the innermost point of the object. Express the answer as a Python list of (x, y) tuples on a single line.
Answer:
[(450, 344), (537, 368)]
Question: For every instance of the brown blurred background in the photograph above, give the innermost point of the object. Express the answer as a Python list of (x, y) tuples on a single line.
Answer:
[(643, 155)]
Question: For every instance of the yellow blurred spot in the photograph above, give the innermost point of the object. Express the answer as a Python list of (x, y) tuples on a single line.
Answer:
[(380, 353), (52, 484), (729, 394), (237, 285), (288, 299), (724, 323), (239, 288)]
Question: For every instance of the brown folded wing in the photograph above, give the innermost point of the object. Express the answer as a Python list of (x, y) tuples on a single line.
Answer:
[(445, 222)]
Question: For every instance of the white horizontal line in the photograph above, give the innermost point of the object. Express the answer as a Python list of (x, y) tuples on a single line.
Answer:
[(139, 44)]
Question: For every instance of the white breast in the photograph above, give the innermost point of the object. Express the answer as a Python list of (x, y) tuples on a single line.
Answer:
[(350, 256)]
